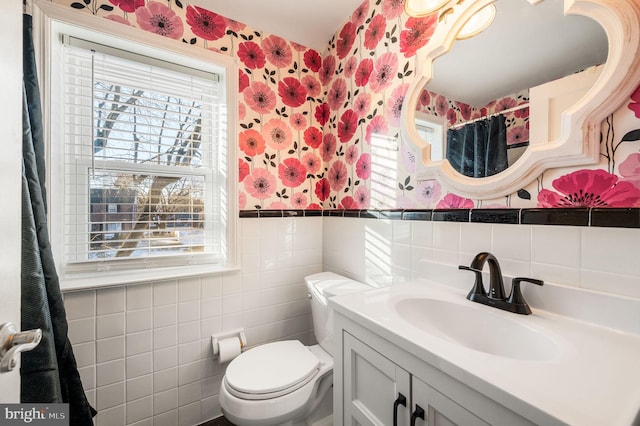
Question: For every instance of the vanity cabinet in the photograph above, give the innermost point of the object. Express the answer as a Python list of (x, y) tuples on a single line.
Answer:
[(372, 384), (375, 381), (438, 409)]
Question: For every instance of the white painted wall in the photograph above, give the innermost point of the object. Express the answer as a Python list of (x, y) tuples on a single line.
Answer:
[(10, 176)]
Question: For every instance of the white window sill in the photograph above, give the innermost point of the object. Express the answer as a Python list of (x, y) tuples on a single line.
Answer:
[(73, 282)]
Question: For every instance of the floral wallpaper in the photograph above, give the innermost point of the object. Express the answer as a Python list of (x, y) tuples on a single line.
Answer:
[(321, 131), (280, 95), (385, 51)]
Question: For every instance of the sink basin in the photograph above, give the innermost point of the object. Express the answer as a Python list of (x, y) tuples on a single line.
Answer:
[(477, 328)]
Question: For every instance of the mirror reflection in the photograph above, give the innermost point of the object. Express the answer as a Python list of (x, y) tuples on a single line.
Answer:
[(497, 93)]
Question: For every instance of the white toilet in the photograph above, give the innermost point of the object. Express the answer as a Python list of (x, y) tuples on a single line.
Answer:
[(287, 383)]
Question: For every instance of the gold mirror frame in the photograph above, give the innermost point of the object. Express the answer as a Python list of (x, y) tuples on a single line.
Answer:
[(579, 141)]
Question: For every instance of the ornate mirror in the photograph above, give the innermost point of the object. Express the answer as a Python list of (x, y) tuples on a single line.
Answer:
[(546, 71)]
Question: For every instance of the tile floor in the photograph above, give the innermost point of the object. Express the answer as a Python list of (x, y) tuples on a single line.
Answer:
[(219, 421)]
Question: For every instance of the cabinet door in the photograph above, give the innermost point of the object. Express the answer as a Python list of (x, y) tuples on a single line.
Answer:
[(372, 384), (438, 409)]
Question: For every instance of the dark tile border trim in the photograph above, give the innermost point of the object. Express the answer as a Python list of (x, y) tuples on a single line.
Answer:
[(600, 217), (351, 213), (337, 213), (278, 213), (508, 216), (370, 214), (415, 214), (391, 214), (619, 218), (571, 217), (452, 215), (271, 213)]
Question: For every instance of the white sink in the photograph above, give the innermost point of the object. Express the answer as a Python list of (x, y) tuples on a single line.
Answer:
[(476, 327)]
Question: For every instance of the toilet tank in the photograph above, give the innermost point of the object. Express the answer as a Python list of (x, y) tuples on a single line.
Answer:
[(321, 286)]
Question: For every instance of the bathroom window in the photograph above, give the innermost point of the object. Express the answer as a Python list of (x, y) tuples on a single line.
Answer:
[(139, 163), (432, 130)]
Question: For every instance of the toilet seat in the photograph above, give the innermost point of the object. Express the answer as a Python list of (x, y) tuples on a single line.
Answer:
[(271, 370), (259, 412)]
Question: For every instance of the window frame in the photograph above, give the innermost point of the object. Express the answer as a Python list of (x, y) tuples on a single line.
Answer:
[(88, 61), (439, 127), (50, 22)]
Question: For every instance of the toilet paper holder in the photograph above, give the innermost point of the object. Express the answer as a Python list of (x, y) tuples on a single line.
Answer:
[(235, 333)]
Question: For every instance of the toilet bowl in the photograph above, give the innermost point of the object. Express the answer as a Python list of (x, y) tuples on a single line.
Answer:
[(286, 382)]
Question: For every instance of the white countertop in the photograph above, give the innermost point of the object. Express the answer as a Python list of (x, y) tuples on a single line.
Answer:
[(593, 379)]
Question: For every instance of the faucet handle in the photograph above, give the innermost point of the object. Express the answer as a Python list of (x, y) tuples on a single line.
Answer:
[(478, 285), (516, 298)]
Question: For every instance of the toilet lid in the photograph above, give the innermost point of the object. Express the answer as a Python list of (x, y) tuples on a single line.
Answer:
[(272, 368), (327, 284), (345, 288)]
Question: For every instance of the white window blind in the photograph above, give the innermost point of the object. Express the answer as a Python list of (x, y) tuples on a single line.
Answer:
[(140, 149)]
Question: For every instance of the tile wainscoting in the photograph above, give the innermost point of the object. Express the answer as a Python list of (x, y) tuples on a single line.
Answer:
[(144, 350), (592, 249)]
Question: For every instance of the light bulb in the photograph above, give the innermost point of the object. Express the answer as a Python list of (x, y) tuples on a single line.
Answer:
[(479, 22)]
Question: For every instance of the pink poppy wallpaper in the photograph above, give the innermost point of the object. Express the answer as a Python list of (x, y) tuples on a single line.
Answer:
[(385, 55), (281, 108), (320, 129)]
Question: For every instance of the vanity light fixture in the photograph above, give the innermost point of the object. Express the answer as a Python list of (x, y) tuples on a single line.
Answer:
[(421, 8), (479, 22)]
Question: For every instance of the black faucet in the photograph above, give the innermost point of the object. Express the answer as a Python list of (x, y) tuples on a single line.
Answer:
[(496, 295)]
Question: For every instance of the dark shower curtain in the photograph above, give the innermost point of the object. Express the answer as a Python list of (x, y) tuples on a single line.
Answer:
[(479, 149), (48, 373)]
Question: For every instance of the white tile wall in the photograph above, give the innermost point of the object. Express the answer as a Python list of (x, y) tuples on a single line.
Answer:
[(602, 259), (347, 236), (144, 350)]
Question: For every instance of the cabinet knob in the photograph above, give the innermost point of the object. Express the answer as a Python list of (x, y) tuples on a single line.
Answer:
[(400, 400)]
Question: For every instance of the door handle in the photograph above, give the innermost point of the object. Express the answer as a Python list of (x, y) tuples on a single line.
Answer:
[(400, 400), (418, 413), (12, 342)]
